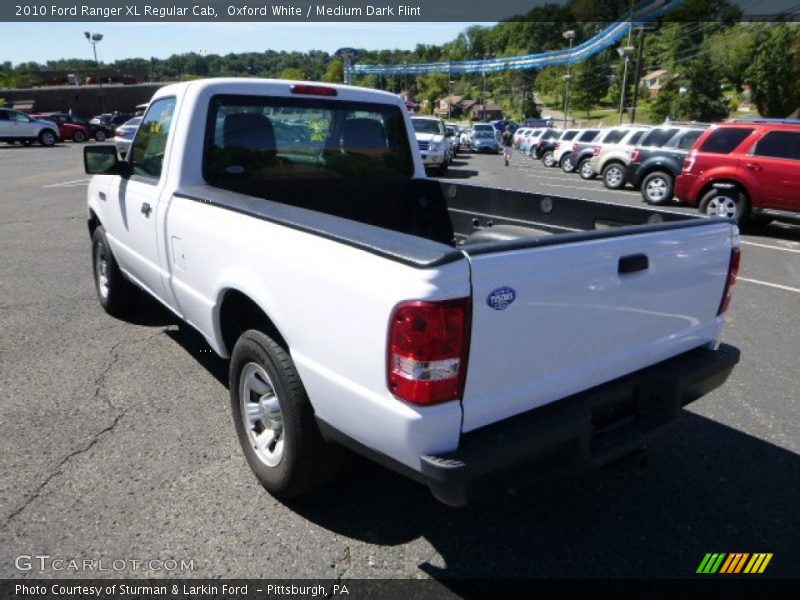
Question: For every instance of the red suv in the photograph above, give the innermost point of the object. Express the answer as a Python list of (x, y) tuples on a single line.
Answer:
[(745, 170)]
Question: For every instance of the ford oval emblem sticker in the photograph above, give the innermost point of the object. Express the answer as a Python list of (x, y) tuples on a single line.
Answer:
[(500, 298)]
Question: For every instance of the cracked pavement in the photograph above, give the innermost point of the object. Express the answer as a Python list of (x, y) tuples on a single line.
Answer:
[(116, 442)]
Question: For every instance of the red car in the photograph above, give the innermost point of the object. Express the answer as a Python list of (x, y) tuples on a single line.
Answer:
[(67, 130), (748, 171)]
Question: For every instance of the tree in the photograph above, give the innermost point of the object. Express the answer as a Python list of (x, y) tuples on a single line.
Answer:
[(703, 99), (774, 74), (590, 82), (335, 72), (292, 73)]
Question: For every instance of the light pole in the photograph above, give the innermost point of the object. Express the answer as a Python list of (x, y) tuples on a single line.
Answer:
[(449, 82), (483, 107), (625, 52), (568, 35), (347, 55), (94, 39)]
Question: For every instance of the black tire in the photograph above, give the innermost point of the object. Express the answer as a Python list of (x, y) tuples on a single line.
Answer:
[(306, 461), (726, 202), (79, 137), (657, 188), (614, 176), (548, 160), (116, 294), (584, 170), (100, 135), (47, 137), (567, 163)]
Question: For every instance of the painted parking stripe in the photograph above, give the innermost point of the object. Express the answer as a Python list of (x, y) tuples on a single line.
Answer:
[(768, 284), (796, 251), (75, 183)]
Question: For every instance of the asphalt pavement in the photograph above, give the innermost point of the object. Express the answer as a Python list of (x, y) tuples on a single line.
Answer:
[(116, 440)]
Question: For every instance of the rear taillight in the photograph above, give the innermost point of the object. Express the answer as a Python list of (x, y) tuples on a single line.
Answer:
[(427, 350), (635, 155), (596, 150), (688, 162), (733, 273)]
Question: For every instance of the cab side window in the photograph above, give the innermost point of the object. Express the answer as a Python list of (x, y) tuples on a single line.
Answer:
[(150, 142)]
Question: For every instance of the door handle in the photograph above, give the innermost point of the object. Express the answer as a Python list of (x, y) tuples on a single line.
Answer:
[(633, 263), (753, 166), (146, 210)]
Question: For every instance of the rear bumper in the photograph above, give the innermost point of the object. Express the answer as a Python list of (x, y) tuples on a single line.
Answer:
[(685, 191), (586, 430)]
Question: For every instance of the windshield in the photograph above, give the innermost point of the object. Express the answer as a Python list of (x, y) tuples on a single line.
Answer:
[(428, 126)]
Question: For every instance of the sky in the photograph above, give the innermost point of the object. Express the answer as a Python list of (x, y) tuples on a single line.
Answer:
[(40, 42)]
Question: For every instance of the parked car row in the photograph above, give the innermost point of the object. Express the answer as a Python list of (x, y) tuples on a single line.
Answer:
[(48, 128), (746, 170)]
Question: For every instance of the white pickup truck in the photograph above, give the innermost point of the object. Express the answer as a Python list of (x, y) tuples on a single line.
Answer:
[(468, 337)]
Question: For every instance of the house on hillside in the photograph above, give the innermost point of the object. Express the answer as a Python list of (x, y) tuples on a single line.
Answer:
[(655, 80), (449, 105), (492, 112)]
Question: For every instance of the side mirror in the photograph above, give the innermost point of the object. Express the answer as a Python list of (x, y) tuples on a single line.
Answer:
[(102, 160)]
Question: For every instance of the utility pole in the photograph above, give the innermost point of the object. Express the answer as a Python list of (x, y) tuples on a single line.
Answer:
[(569, 35), (626, 53), (347, 55), (637, 77)]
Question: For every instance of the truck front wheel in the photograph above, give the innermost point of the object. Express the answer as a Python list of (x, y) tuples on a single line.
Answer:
[(275, 421), (116, 294)]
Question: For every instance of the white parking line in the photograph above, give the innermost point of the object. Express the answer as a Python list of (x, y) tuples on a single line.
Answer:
[(75, 183), (768, 284), (770, 247)]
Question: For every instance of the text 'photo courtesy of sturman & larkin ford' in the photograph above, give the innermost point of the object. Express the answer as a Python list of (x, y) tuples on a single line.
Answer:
[(132, 11)]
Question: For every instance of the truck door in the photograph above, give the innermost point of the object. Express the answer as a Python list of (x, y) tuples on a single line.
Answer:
[(134, 202)]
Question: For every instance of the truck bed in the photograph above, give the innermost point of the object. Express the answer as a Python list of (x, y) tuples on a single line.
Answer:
[(432, 211)]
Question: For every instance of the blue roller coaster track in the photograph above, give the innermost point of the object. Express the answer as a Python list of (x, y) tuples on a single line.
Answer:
[(643, 13)]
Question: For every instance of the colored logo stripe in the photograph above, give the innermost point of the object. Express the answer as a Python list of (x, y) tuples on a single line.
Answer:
[(721, 562), (711, 563)]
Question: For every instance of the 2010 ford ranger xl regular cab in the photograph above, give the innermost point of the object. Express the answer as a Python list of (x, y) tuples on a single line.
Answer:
[(467, 337)]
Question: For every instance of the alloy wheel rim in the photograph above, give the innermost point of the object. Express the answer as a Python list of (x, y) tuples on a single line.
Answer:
[(101, 271), (656, 189), (613, 176), (261, 414), (722, 206)]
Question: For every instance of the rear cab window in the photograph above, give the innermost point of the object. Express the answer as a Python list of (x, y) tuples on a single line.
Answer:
[(254, 138), (725, 140)]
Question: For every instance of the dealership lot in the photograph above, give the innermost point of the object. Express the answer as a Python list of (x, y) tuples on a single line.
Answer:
[(117, 442)]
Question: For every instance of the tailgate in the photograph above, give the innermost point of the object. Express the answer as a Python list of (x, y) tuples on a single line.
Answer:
[(553, 320)]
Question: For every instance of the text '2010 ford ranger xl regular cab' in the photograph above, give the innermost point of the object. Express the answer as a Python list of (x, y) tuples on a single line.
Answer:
[(467, 337)]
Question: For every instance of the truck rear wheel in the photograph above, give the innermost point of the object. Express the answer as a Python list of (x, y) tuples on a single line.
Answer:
[(275, 421), (116, 294)]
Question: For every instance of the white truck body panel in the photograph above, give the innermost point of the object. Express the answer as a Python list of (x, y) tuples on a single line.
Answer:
[(575, 322)]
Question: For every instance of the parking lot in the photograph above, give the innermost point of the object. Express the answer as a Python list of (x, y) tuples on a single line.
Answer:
[(116, 440)]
